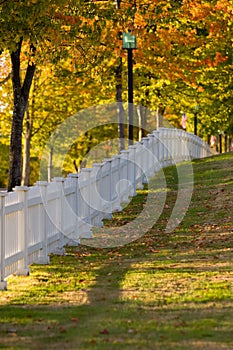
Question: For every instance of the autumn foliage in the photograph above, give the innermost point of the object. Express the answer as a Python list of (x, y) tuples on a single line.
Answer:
[(66, 54)]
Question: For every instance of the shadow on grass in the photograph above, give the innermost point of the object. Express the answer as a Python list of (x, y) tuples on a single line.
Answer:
[(112, 315)]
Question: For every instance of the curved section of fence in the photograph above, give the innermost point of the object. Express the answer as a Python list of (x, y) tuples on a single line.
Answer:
[(39, 220)]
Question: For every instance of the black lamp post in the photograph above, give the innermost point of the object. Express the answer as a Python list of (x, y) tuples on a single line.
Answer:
[(129, 43), (220, 141), (195, 119)]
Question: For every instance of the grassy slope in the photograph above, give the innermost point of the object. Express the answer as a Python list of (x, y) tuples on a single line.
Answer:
[(163, 291)]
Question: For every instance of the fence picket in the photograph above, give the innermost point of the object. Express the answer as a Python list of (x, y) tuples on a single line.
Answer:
[(3, 283), (23, 268)]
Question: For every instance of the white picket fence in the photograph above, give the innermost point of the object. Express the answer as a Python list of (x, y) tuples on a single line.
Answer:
[(39, 220)]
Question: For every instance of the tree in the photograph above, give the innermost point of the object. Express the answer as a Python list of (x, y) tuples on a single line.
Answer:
[(33, 32), (25, 28), (184, 58)]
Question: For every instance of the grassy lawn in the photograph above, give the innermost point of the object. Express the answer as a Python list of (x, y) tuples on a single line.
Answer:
[(163, 291)]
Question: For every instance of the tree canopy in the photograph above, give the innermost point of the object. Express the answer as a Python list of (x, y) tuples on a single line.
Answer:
[(60, 56)]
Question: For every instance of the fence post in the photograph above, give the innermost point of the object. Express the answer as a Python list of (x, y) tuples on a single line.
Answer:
[(168, 147), (22, 191), (84, 209), (76, 238), (97, 194), (124, 177), (156, 150), (3, 284), (172, 148), (182, 145), (187, 146), (115, 181), (145, 160), (162, 147), (44, 257), (162, 153), (132, 168), (60, 250), (110, 192), (175, 146), (191, 146), (139, 166), (180, 149), (151, 144)]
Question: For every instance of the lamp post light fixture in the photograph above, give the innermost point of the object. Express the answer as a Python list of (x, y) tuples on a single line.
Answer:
[(129, 43)]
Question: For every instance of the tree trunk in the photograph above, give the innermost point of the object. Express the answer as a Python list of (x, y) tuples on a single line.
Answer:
[(159, 116), (141, 111), (50, 164), (225, 143), (26, 152), (21, 94), (28, 136)]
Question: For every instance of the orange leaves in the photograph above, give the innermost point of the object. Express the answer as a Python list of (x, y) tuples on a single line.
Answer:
[(197, 10), (223, 5), (210, 62), (200, 89), (219, 58), (67, 19)]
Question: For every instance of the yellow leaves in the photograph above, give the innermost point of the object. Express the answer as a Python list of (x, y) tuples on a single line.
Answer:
[(139, 21), (31, 2), (66, 28), (161, 59), (5, 67)]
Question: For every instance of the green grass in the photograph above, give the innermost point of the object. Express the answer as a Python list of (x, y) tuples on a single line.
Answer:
[(162, 291)]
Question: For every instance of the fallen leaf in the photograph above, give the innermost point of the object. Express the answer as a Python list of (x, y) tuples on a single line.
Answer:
[(62, 329)]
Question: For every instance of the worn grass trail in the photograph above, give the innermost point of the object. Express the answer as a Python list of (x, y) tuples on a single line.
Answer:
[(162, 291)]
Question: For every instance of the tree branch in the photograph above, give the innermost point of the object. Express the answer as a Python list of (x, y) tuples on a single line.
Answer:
[(6, 79), (28, 80), (15, 59)]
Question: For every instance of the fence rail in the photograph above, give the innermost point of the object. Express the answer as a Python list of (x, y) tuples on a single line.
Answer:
[(39, 220)]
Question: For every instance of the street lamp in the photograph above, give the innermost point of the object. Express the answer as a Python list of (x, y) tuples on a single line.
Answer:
[(129, 43), (196, 109)]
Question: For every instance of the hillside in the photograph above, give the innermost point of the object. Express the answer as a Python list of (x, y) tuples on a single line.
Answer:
[(166, 290)]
